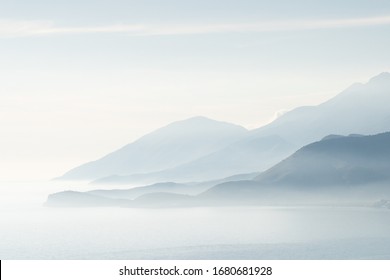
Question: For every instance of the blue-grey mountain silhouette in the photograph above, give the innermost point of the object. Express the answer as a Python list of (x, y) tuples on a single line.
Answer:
[(360, 109), (167, 147), (350, 168), (201, 149), (191, 188), (355, 165), (174, 193), (246, 156)]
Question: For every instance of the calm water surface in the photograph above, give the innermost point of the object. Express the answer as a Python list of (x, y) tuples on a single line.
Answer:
[(28, 230)]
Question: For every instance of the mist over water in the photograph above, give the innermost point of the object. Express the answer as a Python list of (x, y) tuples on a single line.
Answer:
[(31, 231), (179, 99)]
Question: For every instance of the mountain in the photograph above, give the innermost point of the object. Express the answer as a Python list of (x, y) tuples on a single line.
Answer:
[(246, 156), (80, 199), (360, 109), (350, 165), (139, 196), (181, 153), (335, 170), (344, 161), (191, 188), (167, 147), (74, 199)]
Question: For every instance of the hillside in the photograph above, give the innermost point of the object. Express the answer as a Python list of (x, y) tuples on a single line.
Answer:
[(200, 149), (167, 147), (351, 168)]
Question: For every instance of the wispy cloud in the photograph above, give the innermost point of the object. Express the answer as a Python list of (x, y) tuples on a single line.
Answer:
[(14, 28)]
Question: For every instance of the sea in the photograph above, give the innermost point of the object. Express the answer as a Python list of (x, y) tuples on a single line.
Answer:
[(31, 231)]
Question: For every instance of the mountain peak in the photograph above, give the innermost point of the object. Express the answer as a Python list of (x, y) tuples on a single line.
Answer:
[(382, 77), (167, 147), (198, 119), (202, 123)]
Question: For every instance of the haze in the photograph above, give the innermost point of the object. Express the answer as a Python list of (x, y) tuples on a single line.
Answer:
[(82, 78)]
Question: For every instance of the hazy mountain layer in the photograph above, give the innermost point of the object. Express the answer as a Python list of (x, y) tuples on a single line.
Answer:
[(343, 161), (247, 155), (167, 147), (336, 169), (125, 197), (360, 109), (200, 149), (354, 165)]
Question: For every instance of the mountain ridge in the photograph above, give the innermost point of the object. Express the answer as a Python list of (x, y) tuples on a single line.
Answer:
[(333, 171), (360, 109), (349, 167), (171, 145)]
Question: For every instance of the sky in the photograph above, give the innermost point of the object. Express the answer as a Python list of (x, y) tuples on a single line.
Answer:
[(79, 79)]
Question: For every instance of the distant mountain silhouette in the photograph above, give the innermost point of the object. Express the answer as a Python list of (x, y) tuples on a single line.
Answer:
[(153, 200), (80, 199), (349, 168), (247, 155), (200, 149), (352, 160), (192, 188), (139, 196), (360, 109), (167, 147), (339, 164)]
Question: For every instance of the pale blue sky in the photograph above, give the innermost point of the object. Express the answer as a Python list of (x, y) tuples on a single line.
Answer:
[(79, 79)]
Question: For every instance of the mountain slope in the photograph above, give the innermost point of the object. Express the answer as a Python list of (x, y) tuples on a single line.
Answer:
[(180, 153), (361, 109), (353, 164), (335, 170), (244, 156), (167, 147), (343, 161), (157, 195)]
